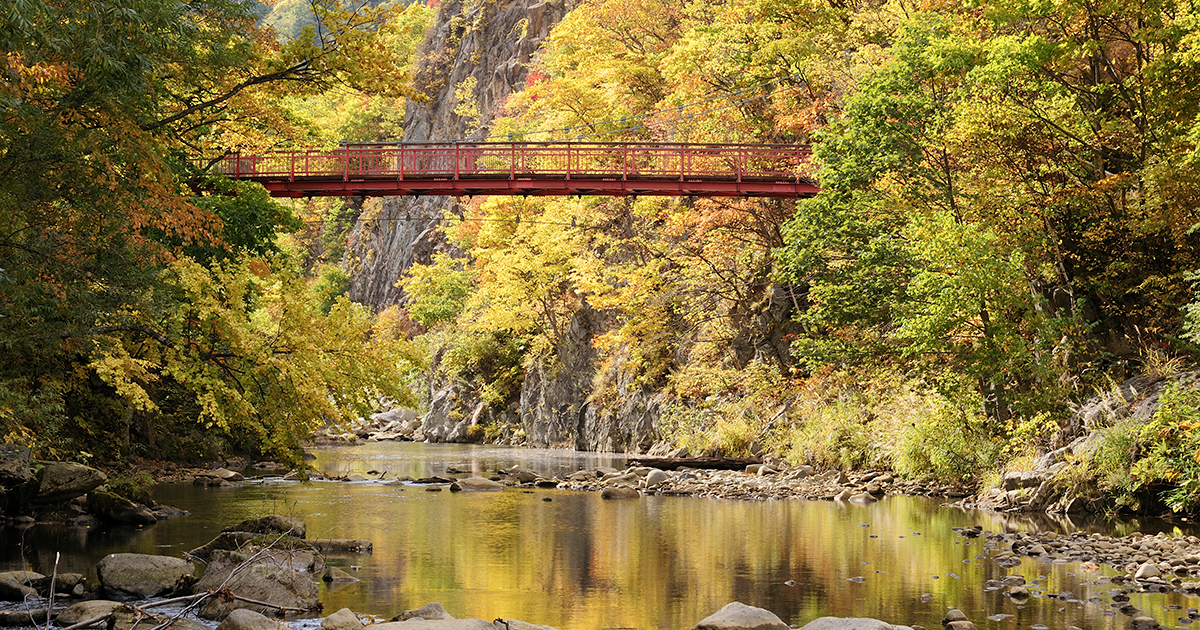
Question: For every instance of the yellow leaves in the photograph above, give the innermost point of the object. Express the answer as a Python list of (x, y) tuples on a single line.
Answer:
[(124, 373), (36, 81), (260, 268), (467, 106)]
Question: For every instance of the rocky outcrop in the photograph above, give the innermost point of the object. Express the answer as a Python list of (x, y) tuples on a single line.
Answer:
[(1057, 483), (554, 409), (488, 43)]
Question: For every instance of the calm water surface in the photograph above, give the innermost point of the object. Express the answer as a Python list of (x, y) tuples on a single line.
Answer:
[(577, 562)]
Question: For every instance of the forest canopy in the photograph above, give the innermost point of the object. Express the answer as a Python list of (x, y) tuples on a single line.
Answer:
[(1006, 226), (145, 306)]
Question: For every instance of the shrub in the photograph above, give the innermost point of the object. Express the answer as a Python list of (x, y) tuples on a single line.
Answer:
[(135, 486)]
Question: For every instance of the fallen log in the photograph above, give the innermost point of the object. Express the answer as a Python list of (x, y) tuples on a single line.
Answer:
[(711, 463)]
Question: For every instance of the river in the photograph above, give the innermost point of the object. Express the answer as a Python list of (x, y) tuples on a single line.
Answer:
[(577, 562)]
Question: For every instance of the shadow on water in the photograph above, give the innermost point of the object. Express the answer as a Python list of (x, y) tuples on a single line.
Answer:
[(578, 562)]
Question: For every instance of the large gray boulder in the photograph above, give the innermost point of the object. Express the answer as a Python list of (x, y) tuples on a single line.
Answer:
[(850, 623), (22, 577), (277, 585), (273, 524), (431, 611), (59, 481), (117, 509), (476, 484), (83, 611), (16, 465), (344, 619), (126, 619), (738, 616), (140, 575), (245, 619), (14, 591)]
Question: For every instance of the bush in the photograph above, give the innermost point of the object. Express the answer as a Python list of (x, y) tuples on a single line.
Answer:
[(1170, 447), (949, 444), (135, 486)]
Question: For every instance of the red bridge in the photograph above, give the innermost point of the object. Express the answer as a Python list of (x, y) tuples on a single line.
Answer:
[(500, 168)]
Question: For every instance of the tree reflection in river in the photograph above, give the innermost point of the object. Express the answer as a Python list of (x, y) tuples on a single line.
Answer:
[(577, 562)]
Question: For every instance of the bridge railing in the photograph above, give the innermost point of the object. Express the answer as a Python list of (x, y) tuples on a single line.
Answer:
[(733, 162)]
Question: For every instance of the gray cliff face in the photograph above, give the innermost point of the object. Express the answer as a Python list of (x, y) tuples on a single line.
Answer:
[(490, 43), (554, 408)]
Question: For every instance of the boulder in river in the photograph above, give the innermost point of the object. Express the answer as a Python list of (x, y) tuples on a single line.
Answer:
[(83, 611), (59, 481), (244, 619), (334, 574), (13, 591), (224, 474), (619, 492), (476, 484), (273, 524), (125, 619), (431, 612), (655, 477), (1147, 570), (738, 616), (850, 623), (117, 509), (273, 584), (140, 575), (344, 619)]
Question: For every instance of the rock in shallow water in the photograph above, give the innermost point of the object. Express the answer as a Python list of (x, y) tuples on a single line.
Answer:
[(117, 509), (344, 619), (278, 585), (619, 492), (273, 524), (431, 612), (850, 623), (738, 616), (60, 481), (83, 611), (245, 619), (436, 624), (476, 484), (140, 575)]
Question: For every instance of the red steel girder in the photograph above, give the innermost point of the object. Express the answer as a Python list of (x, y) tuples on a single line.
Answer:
[(511, 168), (537, 187)]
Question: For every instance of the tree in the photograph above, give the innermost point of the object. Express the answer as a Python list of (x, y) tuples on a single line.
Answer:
[(103, 106)]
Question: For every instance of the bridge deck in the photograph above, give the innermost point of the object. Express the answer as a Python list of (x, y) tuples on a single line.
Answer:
[(530, 169)]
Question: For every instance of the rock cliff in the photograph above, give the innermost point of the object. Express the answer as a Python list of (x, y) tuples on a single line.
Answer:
[(480, 48)]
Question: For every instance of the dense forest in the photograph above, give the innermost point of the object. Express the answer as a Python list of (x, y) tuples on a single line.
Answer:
[(1005, 228)]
